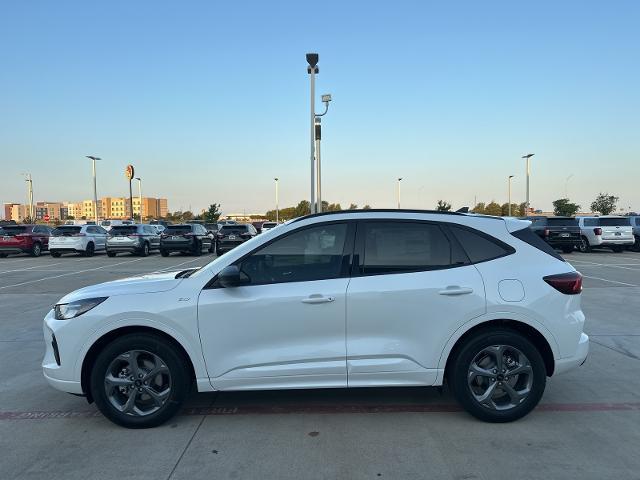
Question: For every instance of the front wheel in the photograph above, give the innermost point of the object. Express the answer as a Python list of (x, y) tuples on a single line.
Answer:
[(36, 250), (111, 254), (145, 250), (636, 245), (497, 376), (140, 380), (164, 253)]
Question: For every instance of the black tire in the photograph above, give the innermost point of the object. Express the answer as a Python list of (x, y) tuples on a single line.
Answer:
[(90, 250), (36, 250), (197, 249), (567, 249), (584, 246), (636, 246), (4, 255), (212, 248), (464, 355), (55, 254), (111, 254), (178, 368), (164, 253), (219, 252), (617, 248), (145, 250)]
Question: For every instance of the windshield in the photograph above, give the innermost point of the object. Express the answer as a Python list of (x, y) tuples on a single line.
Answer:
[(615, 222), (65, 231), (233, 229), (269, 225), (123, 230), (9, 230), (562, 222), (178, 229)]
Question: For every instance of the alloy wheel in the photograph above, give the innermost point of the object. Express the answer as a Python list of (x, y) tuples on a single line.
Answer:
[(500, 377)]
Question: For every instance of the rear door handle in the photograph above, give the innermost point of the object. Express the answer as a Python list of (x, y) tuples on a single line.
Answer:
[(315, 299), (456, 290)]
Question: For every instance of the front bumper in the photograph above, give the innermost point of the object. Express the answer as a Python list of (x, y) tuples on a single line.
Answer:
[(577, 359), (64, 375)]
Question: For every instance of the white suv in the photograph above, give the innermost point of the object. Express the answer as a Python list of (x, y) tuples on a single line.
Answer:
[(84, 239), (355, 299), (606, 231)]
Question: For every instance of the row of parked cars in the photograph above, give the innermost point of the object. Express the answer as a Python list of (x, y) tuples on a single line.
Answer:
[(586, 233), (141, 239)]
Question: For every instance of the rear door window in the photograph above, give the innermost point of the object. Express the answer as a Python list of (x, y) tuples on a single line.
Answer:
[(178, 229), (122, 230), (479, 246), (615, 222), (66, 231), (398, 247), (591, 222)]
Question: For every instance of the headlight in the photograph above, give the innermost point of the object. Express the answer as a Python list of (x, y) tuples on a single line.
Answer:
[(65, 311)]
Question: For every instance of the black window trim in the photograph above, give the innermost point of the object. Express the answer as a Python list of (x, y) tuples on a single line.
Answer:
[(347, 254), (357, 265), (509, 249)]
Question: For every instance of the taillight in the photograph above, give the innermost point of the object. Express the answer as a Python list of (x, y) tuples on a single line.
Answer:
[(546, 232), (567, 283), (597, 231)]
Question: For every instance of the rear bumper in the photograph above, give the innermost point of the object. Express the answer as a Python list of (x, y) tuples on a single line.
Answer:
[(615, 241), (226, 245), (569, 363), (69, 246), (177, 247), (132, 247)]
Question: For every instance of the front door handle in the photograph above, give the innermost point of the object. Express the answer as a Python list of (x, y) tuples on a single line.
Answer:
[(456, 290), (315, 299)]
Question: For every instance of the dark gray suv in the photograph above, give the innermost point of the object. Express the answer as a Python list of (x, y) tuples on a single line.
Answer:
[(138, 239)]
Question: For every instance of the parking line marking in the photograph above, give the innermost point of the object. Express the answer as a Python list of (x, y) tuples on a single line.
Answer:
[(177, 265), (327, 409), (612, 281), (71, 273), (31, 268), (613, 265)]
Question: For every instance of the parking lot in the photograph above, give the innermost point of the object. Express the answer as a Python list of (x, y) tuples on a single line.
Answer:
[(587, 425)]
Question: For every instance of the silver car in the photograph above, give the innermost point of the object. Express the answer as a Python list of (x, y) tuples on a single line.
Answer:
[(137, 238)]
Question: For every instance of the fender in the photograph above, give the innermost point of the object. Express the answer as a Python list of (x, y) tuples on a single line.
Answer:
[(501, 315)]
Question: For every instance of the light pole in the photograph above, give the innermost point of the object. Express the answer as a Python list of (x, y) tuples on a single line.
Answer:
[(312, 70), (528, 158), (29, 182), (95, 190), (277, 209), (566, 186), (399, 180), (509, 181), (140, 195), (318, 136)]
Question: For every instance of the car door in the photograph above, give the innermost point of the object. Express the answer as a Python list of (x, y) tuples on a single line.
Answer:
[(285, 326), (412, 287)]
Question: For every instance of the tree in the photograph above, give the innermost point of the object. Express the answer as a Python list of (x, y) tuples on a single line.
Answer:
[(303, 208), (70, 217), (443, 206), (564, 208), (353, 206), (213, 214), (522, 209), (334, 207), (366, 207), (479, 208), (493, 209), (604, 203), (505, 209)]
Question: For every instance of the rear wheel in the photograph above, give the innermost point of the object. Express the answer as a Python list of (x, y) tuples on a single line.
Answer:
[(90, 250), (111, 254), (497, 376), (140, 380), (145, 250), (636, 246), (164, 253), (567, 249), (36, 250), (617, 248), (584, 246), (55, 254)]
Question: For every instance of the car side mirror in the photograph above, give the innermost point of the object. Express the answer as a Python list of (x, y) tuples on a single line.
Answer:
[(229, 276)]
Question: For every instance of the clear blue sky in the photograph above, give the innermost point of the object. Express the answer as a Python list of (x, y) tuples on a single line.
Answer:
[(209, 100)]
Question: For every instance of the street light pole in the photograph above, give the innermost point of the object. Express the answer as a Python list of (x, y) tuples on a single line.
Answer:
[(140, 195), (29, 181), (509, 180), (528, 158), (312, 70), (95, 189), (399, 180), (277, 209), (566, 186)]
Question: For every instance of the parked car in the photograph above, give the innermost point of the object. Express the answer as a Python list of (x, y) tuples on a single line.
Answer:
[(187, 238), (266, 226), (365, 298), (108, 224), (609, 231), (562, 233), (635, 224), (31, 239), (232, 235), (83, 239), (158, 228), (137, 238), (164, 223)]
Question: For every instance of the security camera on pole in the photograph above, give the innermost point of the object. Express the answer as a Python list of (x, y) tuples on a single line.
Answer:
[(129, 172)]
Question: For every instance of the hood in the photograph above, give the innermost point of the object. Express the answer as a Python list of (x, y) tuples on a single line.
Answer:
[(151, 283)]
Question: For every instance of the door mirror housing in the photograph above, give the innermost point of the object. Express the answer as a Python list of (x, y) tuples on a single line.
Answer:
[(229, 277)]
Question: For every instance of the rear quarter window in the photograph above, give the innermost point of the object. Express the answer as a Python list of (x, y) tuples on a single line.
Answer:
[(527, 236), (479, 246)]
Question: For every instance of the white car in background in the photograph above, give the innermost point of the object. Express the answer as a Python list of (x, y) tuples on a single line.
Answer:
[(614, 232), (366, 298), (83, 239), (266, 226), (108, 224)]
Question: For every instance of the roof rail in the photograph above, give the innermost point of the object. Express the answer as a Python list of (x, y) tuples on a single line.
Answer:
[(378, 210)]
